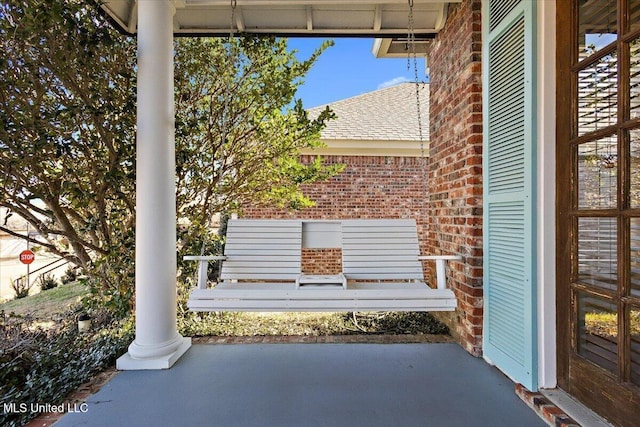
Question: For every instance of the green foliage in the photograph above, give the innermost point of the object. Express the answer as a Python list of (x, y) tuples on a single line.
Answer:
[(47, 281), (239, 130), (67, 135), (39, 365), (67, 113), (398, 323), (308, 324), (20, 287), (70, 275)]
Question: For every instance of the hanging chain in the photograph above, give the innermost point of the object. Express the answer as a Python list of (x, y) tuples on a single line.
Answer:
[(227, 95), (232, 25), (411, 38), (412, 58)]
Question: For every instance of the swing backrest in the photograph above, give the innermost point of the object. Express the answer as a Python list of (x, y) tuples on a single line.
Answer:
[(262, 250), (381, 249)]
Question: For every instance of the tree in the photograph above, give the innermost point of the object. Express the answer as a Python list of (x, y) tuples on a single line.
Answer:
[(67, 134), (239, 131)]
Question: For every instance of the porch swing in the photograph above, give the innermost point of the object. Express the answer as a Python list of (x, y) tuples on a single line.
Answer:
[(381, 263)]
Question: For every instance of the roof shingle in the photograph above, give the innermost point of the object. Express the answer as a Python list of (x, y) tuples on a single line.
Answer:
[(388, 114)]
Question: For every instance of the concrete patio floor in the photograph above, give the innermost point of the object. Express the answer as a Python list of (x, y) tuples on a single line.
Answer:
[(311, 385)]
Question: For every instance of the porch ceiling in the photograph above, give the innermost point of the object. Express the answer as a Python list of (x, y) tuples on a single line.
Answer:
[(372, 18)]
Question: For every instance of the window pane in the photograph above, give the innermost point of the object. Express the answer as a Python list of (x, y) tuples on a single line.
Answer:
[(635, 345), (597, 174), (597, 252), (598, 331), (597, 25), (634, 14), (634, 162), (597, 95), (634, 78), (635, 256)]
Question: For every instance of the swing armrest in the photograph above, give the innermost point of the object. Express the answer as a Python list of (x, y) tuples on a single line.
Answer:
[(441, 273), (204, 258), (202, 268)]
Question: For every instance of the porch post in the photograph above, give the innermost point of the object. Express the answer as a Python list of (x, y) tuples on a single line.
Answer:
[(157, 344)]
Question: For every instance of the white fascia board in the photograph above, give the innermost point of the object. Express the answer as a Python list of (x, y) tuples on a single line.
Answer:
[(341, 147)]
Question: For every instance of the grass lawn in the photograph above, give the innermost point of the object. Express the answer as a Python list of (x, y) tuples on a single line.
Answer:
[(606, 324), (45, 304)]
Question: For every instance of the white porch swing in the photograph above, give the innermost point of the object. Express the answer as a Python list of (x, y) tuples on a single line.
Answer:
[(381, 262)]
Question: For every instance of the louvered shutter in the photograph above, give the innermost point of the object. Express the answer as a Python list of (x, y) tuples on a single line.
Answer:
[(509, 189)]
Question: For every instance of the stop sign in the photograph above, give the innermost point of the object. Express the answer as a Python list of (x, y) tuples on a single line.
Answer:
[(27, 257)]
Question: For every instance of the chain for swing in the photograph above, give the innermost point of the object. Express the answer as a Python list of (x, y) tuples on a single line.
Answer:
[(224, 116), (412, 58)]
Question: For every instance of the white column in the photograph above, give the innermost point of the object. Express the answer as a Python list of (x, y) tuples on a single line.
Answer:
[(157, 344)]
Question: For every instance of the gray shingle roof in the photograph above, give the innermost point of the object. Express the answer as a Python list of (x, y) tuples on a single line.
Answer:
[(388, 114)]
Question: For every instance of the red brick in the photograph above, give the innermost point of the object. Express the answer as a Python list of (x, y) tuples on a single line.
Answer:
[(448, 209)]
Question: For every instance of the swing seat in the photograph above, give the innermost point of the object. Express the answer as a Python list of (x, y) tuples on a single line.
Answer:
[(261, 270)]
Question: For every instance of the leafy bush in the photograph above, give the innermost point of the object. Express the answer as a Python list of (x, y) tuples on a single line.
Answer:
[(43, 365), (21, 287), (70, 275), (397, 323), (47, 281)]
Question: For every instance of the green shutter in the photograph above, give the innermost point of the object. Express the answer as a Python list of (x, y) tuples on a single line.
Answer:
[(509, 189)]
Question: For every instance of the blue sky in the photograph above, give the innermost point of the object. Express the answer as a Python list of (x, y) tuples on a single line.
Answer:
[(348, 69)]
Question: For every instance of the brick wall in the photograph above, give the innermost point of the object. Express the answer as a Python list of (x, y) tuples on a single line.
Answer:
[(455, 165), (321, 261), (369, 188), (392, 187)]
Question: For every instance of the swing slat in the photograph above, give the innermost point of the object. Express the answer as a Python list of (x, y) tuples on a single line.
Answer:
[(261, 271)]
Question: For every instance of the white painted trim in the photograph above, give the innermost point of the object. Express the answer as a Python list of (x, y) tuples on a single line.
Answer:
[(373, 148), (294, 16), (441, 267), (395, 48), (547, 367), (128, 363)]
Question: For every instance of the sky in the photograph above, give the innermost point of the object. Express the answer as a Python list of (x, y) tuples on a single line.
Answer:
[(347, 69)]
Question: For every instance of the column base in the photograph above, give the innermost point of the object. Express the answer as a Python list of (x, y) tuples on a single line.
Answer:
[(128, 363)]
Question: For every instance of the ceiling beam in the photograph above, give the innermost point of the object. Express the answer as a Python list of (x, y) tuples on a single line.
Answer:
[(300, 17), (309, 18), (239, 19), (377, 19), (322, 32), (133, 17)]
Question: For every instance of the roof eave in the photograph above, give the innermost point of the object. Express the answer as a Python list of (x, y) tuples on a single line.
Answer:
[(371, 148)]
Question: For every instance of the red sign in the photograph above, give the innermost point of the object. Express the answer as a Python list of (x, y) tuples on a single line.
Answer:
[(27, 257)]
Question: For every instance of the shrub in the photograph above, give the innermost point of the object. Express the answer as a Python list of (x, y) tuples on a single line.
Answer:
[(396, 323), (43, 365), (21, 287), (47, 281), (70, 275)]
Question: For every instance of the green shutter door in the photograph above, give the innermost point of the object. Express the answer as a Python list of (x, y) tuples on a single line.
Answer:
[(509, 189)]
